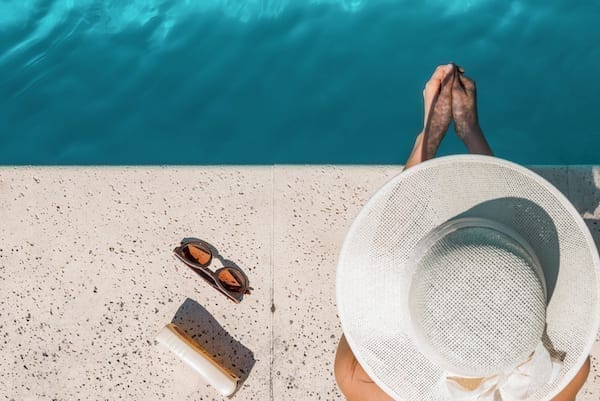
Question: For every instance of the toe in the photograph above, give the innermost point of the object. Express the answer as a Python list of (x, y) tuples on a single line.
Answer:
[(448, 80), (442, 71), (439, 73), (458, 82), (440, 76), (467, 83)]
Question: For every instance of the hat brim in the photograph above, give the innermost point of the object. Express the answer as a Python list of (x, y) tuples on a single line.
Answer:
[(371, 274)]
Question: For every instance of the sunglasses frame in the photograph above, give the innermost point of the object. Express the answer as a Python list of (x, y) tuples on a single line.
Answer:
[(211, 277)]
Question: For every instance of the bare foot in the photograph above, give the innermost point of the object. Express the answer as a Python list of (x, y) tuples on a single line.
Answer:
[(464, 113), (464, 105), (437, 96)]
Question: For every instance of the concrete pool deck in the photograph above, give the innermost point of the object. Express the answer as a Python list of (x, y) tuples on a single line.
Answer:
[(88, 278)]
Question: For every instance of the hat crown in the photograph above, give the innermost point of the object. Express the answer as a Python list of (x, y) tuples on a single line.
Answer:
[(477, 299), (375, 268)]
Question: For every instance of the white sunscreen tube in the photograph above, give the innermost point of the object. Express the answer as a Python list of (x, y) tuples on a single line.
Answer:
[(188, 350)]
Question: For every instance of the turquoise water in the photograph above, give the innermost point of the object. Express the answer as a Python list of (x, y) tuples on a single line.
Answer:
[(283, 81)]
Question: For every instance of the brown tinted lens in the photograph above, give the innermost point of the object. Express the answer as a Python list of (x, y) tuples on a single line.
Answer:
[(197, 254), (232, 280)]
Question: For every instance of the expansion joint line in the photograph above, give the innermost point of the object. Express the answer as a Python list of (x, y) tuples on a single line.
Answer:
[(272, 289)]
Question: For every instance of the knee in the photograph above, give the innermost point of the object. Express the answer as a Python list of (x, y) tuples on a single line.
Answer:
[(344, 366), (581, 376), (570, 391)]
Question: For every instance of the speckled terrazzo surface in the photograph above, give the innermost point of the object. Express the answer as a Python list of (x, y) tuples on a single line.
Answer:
[(87, 277)]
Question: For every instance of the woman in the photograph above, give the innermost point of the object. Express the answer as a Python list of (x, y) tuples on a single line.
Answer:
[(448, 95)]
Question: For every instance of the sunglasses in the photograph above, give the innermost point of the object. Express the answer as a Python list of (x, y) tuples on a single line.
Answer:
[(231, 281)]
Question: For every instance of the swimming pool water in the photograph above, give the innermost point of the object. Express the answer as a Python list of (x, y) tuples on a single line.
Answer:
[(285, 81)]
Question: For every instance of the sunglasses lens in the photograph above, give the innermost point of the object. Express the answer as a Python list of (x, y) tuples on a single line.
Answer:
[(232, 280), (197, 253)]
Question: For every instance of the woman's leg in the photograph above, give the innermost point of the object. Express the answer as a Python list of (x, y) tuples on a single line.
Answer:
[(356, 385), (569, 392), (437, 117), (352, 380), (437, 97), (416, 156), (464, 113)]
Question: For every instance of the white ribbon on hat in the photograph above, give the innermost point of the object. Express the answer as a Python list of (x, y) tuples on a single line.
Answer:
[(514, 385)]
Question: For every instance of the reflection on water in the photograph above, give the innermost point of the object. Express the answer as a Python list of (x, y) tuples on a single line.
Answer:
[(281, 81)]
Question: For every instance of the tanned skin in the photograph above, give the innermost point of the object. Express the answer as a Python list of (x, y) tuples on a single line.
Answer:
[(448, 95)]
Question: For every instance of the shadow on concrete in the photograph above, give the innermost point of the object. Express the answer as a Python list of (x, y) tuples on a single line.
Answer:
[(584, 193), (199, 324)]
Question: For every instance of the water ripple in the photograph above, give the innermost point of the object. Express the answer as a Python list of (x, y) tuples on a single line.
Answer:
[(266, 81)]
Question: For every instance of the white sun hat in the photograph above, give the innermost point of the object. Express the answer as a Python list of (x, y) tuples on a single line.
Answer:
[(469, 278)]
